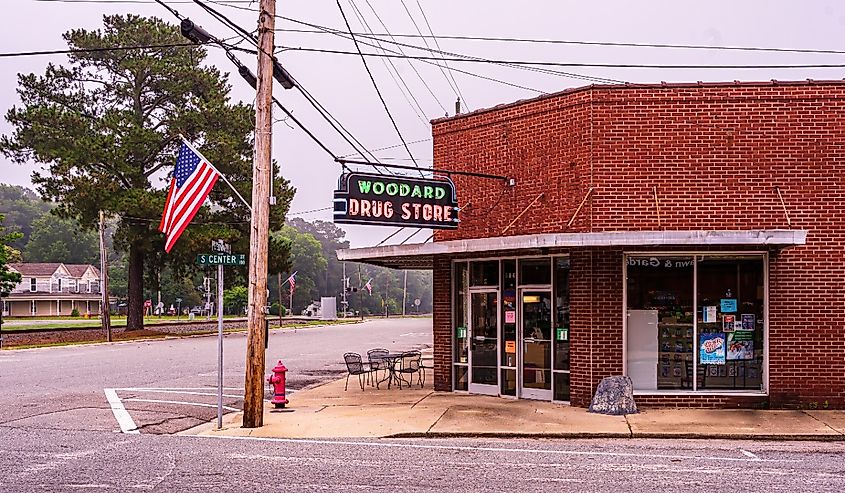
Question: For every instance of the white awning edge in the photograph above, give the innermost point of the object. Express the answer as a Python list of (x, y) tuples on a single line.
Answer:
[(420, 254)]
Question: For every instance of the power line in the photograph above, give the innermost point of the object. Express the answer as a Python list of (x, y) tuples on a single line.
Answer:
[(299, 213), (70, 51), (437, 43), (575, 64), (346, 36), (234, 4), (386, 109), (413, 67), (388, 64), (321, 110)]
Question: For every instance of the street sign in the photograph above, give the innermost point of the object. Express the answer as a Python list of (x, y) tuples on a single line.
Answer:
[(221, 259)]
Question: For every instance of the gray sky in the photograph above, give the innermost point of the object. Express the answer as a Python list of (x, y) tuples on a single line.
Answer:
[(340, 83)]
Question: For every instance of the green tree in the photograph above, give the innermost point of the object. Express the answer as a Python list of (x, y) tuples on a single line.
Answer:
[(235, 299), (107, 126), (307, 261), (22, 208), (8, 279), (54, 239)]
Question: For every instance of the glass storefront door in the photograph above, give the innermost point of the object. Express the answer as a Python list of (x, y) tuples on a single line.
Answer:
[(536, 336), (484, 342)]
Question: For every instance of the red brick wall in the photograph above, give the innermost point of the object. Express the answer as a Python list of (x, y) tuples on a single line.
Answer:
[(442, 323), (595, 303), (715, 154)]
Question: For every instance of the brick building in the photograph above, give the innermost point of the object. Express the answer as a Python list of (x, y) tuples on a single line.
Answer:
[(687, 235)]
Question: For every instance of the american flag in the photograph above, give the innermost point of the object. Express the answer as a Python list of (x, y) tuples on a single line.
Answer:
[(369, 287), (192, 181), (292, 280)]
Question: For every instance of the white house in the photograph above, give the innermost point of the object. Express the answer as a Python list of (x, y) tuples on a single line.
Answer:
[(53, 289)]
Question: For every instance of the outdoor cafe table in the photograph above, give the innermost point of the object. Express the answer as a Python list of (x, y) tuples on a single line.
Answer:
[(392, 359)]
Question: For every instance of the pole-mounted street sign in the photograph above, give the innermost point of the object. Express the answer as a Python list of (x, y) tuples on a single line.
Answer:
[(221, 259)]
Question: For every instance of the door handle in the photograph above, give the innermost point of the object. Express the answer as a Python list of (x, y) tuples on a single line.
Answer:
[(529, 339)]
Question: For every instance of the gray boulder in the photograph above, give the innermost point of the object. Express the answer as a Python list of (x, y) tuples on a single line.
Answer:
[(615, 396)]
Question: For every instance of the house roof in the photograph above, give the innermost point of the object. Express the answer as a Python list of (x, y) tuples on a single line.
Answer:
[(78, 270), (46, 269)]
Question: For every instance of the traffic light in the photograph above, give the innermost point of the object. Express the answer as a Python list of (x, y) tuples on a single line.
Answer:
[(351, 290)]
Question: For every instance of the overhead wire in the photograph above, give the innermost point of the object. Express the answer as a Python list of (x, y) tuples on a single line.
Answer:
[(321, 110), (373, 80), (410, 64), (335, 32), (398, 80), (456, 88), (235, 4)]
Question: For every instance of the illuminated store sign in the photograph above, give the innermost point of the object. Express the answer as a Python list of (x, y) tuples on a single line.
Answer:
[(363, 198)]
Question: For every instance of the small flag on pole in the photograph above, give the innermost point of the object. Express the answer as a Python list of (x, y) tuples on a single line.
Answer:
[(292, 280), (369, 287), (193, 179)]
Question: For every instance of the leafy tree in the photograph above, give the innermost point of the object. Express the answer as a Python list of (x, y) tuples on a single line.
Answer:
[(107, 126), (307, 261), (22, 208), (8, 279), (235, 299), (54, 239), (331, 239)]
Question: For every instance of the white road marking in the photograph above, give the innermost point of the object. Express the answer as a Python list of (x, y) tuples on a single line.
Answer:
[(159, 401), (127, 425), (749, 454), (189, 392), (177, 388), (492, 449)]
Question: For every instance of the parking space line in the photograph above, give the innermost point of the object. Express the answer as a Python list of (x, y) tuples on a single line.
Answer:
[(127, 424), (183, 403), (187, 392)]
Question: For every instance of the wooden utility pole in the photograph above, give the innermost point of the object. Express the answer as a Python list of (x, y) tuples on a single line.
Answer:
[(260, 222), (105, 316)]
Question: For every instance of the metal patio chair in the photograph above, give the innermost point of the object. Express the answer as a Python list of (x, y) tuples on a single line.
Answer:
[(410, 364), (356, 366), (377, 362)]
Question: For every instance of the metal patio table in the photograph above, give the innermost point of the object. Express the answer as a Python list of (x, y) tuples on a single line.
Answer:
[(391, 359)]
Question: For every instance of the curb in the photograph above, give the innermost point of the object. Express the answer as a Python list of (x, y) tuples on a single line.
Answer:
[(635, 436)]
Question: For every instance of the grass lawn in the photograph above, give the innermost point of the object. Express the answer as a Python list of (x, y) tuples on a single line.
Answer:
[(50, 323)]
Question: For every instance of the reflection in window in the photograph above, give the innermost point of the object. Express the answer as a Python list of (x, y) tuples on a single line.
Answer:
[(731, 294), (460, 310), (723, 349), (484, 273), (660, 324), (535, 272)]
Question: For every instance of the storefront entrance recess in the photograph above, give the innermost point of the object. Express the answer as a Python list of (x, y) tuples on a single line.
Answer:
[(536, 336), (483, 342)]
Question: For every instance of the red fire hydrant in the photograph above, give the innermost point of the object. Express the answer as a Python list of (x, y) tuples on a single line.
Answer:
[(277, 380)]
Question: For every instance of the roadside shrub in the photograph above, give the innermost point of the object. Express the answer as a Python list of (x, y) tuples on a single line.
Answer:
[(74, 313)]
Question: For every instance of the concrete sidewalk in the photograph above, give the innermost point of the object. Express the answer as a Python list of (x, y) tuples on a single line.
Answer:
[(328, 411)]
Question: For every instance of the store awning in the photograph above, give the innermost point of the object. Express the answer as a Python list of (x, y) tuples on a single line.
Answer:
[(421, 255)]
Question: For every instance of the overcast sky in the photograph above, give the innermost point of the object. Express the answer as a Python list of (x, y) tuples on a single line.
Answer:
[(340, 83)]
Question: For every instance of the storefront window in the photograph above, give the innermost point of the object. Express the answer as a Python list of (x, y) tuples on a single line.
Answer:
[(713, 341), (461, 348), (561, 329), (484, 273), (660, 322), (508, 324), (731, 297), (534, 272)]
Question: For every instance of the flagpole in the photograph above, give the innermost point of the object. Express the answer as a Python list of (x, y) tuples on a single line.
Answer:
[(198, 153)]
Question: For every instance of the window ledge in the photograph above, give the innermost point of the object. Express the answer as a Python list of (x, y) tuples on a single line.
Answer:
[(687, 393)]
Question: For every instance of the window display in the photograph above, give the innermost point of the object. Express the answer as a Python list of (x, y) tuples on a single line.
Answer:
[(711, 341)]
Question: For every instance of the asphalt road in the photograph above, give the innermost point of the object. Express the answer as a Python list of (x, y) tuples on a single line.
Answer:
[(41, 460), (170, 385), (58, 433)]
